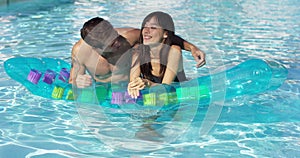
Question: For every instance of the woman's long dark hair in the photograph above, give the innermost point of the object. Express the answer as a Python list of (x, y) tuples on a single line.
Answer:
[(166, 22)]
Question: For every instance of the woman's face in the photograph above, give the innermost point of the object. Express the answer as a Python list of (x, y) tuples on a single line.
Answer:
[(152, 32)]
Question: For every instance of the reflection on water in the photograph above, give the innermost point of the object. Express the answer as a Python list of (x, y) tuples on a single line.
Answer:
[(264, 125)]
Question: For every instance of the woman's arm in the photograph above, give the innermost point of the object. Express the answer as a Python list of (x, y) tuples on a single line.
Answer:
[(136, 83), (173, 65)]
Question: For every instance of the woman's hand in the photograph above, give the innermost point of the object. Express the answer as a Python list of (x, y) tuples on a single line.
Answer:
[(83, 81), (135, 86)]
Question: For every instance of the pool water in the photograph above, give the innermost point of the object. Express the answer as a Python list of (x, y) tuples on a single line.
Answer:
[(230, 32)]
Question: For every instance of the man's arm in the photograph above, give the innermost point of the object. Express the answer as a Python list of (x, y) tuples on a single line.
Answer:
[(77, 72), (196, 52), (74, 64), (133, 34)]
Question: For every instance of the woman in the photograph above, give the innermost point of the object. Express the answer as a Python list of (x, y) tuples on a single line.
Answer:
[(155, 60)]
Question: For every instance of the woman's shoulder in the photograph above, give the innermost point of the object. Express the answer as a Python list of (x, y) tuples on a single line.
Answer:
[(175, 48)]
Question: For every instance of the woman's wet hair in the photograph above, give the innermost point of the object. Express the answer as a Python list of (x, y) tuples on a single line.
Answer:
[(163, 19)]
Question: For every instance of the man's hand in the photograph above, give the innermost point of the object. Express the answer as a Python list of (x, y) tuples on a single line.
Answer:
[(83, 81), (199, 57)]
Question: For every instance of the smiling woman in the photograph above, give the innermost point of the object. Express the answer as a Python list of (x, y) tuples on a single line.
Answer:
[(156, 60)]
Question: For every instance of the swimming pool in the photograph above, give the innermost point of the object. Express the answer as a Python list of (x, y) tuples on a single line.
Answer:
[(263, 125)]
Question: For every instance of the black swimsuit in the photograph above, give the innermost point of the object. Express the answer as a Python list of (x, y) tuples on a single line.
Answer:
[(180, 77)]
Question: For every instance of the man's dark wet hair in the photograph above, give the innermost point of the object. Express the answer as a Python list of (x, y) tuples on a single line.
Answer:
[(98, 32)]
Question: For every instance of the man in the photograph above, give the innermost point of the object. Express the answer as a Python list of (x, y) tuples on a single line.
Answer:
[(100, 48)]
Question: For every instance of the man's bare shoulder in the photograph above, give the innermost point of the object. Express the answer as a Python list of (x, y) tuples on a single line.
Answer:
[(82, 51), (81, 47), (76, 46)]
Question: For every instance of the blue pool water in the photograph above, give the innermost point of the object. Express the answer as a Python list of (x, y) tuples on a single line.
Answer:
[(262, 125)]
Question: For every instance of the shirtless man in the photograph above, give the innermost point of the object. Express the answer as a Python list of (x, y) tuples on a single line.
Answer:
[(100, 48)]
